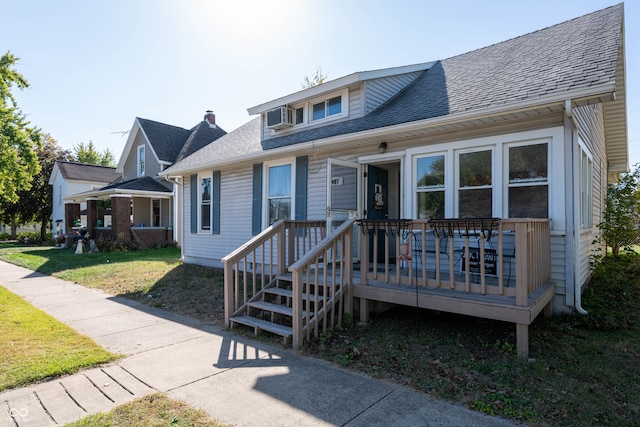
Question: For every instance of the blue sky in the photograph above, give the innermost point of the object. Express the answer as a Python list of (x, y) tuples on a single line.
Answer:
[(94, 66)]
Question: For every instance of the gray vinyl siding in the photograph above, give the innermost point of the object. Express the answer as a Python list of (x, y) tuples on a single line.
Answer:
[(590, 123), (151, 165), (317, 189), (235, 220), (355, 102), (559, 270), (378, 91)]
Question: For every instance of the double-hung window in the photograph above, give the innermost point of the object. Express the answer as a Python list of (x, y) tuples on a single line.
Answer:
[(205, 203), (475, 180), (528, 185), (141, 160), (430, 173), (279, 192), (586, 188)]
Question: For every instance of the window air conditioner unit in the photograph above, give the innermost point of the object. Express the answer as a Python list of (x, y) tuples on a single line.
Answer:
[(280, 118)]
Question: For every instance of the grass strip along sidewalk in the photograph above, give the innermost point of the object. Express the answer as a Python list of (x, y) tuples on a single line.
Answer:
[(35, 346), (154, 410)]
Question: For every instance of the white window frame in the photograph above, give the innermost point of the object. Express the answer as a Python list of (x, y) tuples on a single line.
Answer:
[(456, 172), (525, 183), (265, 189), (344, 106), (201, 177), (430, 189), (585, 180), (141, 164)]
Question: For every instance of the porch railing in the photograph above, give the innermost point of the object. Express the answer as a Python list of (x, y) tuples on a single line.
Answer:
[(258, 263), (484, 256), (324, 275)]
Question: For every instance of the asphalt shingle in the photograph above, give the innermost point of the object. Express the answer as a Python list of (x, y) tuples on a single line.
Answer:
[(84, 172)]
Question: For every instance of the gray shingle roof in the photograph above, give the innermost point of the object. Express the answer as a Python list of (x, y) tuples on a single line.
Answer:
[(576, 54), (145, 183), (243, 141), (83, 172), (172, 142), (201, 135)]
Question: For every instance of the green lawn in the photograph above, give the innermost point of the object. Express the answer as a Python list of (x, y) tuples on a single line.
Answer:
[(35, 346), (113, 270)]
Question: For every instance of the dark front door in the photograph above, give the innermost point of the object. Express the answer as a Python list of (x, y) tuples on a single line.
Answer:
[(377, 202)]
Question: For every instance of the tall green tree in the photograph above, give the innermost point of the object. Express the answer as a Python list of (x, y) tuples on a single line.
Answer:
[(36, 205), (88, 154), (621, 218), (18, 141)]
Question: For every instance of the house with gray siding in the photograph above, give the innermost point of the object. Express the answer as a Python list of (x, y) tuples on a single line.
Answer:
[(472, 184), (144, 208)]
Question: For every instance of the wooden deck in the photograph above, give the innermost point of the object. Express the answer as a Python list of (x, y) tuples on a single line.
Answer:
[(435, 265)]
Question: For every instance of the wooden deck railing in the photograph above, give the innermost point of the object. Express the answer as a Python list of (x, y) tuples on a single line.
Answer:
[(484, 256), (257, 263), (322, 280)]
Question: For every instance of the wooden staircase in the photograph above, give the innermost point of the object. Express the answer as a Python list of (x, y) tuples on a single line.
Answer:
[(292, 280), (271, 309)]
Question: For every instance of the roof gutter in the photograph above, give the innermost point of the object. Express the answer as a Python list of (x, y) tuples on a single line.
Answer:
[(603, 93)]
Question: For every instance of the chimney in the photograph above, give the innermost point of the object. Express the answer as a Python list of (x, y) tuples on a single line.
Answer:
[(210, 118)]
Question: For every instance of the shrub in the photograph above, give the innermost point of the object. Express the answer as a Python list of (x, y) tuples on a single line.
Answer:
[(610, 298), (166, 244), (31, 237), (108, 245), (5, 236)]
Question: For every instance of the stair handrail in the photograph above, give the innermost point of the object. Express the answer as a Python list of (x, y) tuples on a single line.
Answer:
[(345, 230)]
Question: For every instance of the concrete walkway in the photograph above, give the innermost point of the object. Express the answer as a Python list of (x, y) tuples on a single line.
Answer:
[(236, 380)]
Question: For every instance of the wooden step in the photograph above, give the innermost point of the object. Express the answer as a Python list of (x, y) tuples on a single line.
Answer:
[(259, 324), (274, 308), (289, 293)]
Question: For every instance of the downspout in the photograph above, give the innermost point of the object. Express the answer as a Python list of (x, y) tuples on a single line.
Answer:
[(572, 241), (177, 183)]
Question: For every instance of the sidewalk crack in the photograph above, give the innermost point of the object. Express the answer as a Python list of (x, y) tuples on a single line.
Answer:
[(44, 407), (72, 398)]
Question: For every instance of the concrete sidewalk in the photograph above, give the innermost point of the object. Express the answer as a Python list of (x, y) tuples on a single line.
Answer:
[(236, 380)]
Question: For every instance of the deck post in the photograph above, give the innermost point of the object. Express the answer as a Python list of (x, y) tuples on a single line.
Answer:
[(522, 272), (228, 294), (347, 295), (522, 340), (282, 249), (296, 306), (364, 275)]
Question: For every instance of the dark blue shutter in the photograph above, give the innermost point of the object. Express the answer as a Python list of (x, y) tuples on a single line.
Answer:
[(301, 187), (215, 203), (194, 203), (256, 217)]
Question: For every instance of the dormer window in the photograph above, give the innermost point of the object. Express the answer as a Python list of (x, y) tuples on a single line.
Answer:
[(141, 160), (327, 108), (331, 106)]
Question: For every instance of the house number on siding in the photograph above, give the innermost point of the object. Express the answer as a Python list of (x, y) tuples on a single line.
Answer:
[(337, 180)]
